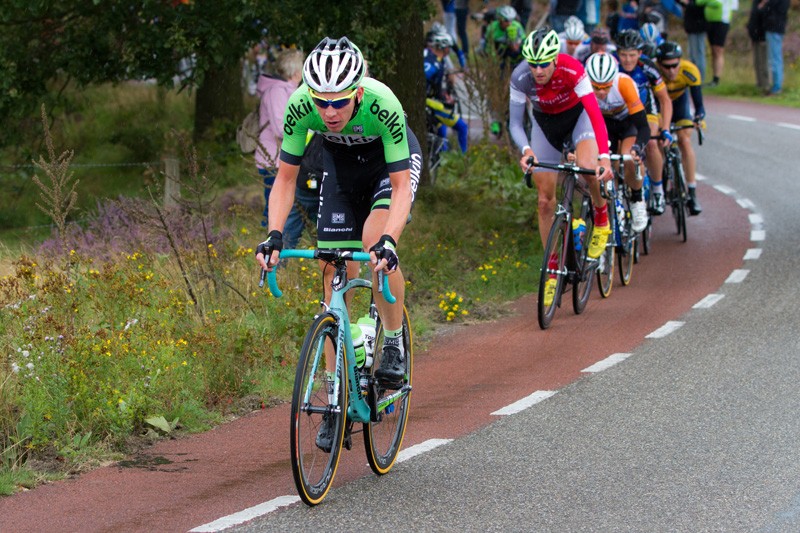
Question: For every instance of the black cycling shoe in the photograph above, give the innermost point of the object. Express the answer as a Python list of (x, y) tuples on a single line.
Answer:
[(658, 204), (325, 435), (392, 370), (693, 203)]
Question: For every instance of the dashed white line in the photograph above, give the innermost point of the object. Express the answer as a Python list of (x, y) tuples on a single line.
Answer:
[(245, 516), (608, 362), (745, 203), (737, 276), (752, 253), (665, 330), (524, 403), (708, 301), (756, 218), (724, 189), (742, 117), (787, 125), (422, 447), (758, 235)]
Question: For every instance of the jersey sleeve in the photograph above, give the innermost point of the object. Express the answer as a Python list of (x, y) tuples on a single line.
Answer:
[(630, 94), (690, 73), (296, 120), (390, 125)]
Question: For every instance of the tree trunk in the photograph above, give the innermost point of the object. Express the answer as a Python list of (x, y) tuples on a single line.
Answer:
[(220, 97), (408, 79)]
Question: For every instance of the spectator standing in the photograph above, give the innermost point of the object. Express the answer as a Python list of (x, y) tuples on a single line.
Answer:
[(524, 9), (776, 14), (560, 10), (462, 13), (449, 15), (758, 38), (590, 14), (274, 93), (612, 18), (694, 23), (718, 20), (629, 18)]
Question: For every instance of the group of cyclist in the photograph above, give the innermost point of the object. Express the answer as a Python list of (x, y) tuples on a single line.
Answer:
[(372, 160)]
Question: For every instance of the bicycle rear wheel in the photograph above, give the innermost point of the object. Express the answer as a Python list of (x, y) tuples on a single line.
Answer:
[(556, 248), (383, 437), (584, 275), (683, 195), (605, 263), (626, 251), (312, 467)]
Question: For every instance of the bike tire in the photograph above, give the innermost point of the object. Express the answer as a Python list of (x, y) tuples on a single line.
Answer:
[(584, 276), (557, 243), (646, 237), (313, 468), (435, 145), (605, 263), (626, 250), (683, 195), (384, 437)]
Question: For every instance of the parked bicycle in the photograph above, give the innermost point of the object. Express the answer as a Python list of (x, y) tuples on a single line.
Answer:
[(676, 193), (352, 395), (568, 242)]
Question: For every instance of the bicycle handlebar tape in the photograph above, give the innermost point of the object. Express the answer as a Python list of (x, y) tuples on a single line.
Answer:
[(272, 280), (383, 288)]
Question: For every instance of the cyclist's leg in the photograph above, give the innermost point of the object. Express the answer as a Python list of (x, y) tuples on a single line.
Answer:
[(545, 181), (586, 153), (655, 165), (682, 117)]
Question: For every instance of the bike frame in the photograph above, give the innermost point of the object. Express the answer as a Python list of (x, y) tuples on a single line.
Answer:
[(358, 408)]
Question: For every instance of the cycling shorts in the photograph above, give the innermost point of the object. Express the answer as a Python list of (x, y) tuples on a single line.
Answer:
[(548, 146), (681, 110), (345, 204), (619, 130), (654, 118), (442, 112)]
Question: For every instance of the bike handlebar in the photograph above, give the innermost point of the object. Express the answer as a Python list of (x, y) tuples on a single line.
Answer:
[(561, 167), (325, 255)]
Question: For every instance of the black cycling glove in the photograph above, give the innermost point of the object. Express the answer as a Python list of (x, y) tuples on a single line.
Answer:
[(273, 242), (639, 151), (385, 248)]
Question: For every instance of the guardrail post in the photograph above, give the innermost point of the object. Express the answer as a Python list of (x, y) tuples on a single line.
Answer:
[(172, 181)]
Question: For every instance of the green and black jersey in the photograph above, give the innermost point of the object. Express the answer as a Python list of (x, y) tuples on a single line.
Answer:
[(377, 127)]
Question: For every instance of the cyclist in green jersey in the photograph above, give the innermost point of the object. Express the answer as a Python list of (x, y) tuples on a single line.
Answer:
[(372, 163)]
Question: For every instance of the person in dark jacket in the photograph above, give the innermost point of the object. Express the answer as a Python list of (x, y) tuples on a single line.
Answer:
[(758, 38), (560, 11), (775, 14), (694, 23)]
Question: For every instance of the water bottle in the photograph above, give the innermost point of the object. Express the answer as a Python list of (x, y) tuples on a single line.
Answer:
[(358, 344), (620, 214), (578, 231), (367, 326)]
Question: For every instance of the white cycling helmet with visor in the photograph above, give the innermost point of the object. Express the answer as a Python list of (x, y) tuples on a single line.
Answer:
[(334, 65)]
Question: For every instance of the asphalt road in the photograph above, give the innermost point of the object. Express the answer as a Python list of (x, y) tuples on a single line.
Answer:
[(694, 431)]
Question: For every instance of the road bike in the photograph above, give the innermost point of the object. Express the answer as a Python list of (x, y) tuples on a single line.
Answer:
[(352, 395), (676, 192), (565, 256), (622, 242), (436, 144)]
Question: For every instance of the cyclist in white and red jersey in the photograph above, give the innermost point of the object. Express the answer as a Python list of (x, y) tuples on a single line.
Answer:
[(564, 110)]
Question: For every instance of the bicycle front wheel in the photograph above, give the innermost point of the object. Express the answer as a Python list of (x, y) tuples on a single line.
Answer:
[(605, 263), (683, 194), (315, 451), (584, 275), (553, 268), (383, 437)]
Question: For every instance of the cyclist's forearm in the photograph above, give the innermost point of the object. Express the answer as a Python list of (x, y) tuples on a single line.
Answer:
[(665, 108), (282, 196), (516, 112), (639, 120), (401, 204), (697, 100)]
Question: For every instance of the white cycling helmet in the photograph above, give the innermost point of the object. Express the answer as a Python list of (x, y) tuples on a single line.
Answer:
[(506, 13), (573, 29), (334, 66), (601, 68), (441, 40)]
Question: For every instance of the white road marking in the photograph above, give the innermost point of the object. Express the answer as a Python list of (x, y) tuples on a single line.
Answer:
[(787, 125), (756, 218), (745, 203), (752, 253), (742, 117), (420, 448), (608, 362), (708, 301), (248, 514), (699, 177), (758, 235), (664, 330), (724, 189), (737, 276), (524, 403)]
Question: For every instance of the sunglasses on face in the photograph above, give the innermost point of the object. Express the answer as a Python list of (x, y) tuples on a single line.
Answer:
[(336, 103), (602, 86), (539, 65), (670, 66)]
